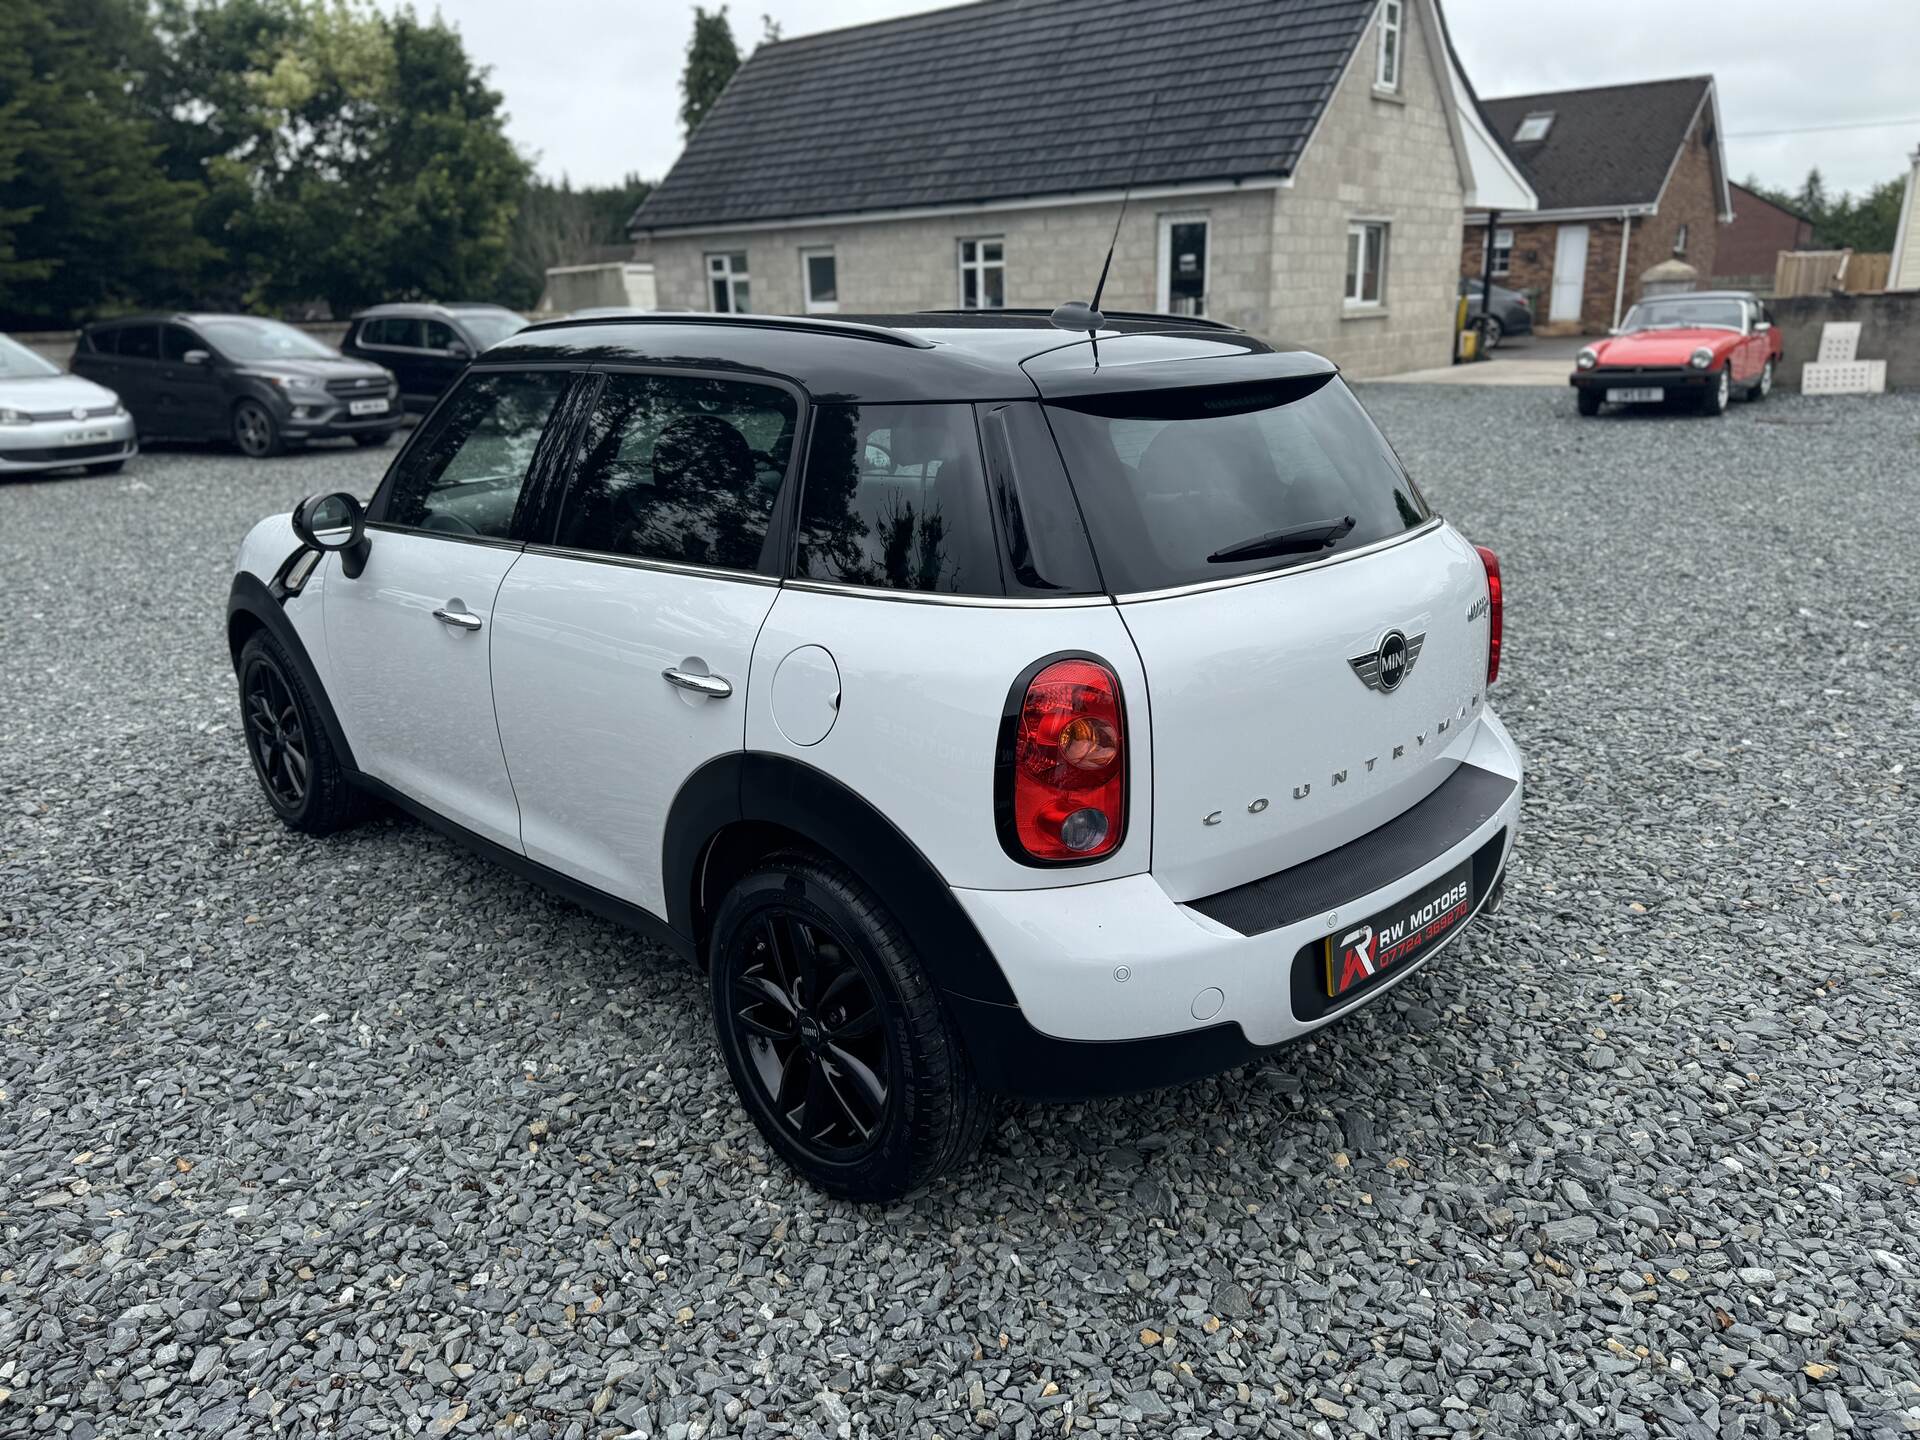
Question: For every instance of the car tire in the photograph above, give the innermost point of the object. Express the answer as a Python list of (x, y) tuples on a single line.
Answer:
[(1588, 401), (1715, 398), (107, 467), (1762, 387), (820, 1005), (293, 760), (1492, 332), (373, 441), (255, 430)]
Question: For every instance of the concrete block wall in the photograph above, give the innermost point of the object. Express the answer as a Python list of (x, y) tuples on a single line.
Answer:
[(1374, 158), (1889, 331)]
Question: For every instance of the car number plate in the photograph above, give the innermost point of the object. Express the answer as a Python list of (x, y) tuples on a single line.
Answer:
[(1637, 396), (87, 437), (366, 407), (1398, 935)]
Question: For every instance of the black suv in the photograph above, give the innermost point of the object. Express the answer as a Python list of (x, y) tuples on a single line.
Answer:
[(427, 346), (260, 383)]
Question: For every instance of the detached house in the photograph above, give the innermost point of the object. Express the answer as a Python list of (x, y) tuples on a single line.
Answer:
[(1298, 168), (1627, 176)]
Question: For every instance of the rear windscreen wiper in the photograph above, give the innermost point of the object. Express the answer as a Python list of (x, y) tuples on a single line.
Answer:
[(1294, 540)]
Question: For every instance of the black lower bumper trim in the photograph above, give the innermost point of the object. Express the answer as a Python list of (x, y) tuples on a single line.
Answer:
[(1604, 380)]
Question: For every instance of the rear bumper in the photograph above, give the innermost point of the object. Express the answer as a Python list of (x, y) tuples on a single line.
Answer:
[(1121, 988), (1603, 380)]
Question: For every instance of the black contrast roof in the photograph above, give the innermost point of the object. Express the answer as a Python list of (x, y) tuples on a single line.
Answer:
[(1606, 147), (1008, 99)]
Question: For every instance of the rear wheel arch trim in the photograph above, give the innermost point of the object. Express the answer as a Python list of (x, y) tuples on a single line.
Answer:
[(251, 606), (752, 787)]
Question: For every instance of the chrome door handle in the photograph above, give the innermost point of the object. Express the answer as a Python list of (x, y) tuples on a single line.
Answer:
[(712, 685), (459, 619)]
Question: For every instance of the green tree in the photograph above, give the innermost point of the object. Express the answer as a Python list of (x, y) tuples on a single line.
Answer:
[(90, 220), (1866, 225), (712, 57)]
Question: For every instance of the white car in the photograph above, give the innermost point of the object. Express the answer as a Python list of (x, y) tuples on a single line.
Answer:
[(50, 420), (986, 708)]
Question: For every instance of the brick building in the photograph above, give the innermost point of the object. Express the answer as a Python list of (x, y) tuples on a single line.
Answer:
[(1299, 168), (1751, 242), (1627, 176)]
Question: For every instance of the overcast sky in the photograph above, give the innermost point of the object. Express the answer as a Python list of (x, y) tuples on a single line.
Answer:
[(592, 86)]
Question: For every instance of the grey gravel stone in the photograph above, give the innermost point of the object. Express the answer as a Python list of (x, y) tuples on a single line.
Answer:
[(366, 1137)]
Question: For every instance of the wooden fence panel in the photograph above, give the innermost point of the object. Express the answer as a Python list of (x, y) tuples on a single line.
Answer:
[(1821, 272)]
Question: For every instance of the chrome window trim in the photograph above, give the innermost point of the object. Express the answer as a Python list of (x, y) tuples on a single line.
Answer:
[(930, 597), (1256, 577), (497, 542), (667, 567)]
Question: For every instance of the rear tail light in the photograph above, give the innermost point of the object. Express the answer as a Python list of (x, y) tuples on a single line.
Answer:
[(1496, 614), (1060, 785)]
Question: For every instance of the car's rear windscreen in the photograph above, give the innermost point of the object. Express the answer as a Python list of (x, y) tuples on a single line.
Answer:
[(1188, 485)]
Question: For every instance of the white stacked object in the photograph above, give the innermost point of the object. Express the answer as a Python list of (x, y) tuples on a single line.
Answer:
[(1840, 370)]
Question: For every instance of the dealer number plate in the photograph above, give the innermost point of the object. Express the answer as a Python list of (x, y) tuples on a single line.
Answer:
[(1640, 396), (366, 407), (87, 437), (1398, 935)]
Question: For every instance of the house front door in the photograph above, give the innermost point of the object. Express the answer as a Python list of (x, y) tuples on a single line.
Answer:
[(1569, 273)]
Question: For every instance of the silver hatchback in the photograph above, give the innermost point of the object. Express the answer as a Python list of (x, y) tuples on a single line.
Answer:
[(50, 420)]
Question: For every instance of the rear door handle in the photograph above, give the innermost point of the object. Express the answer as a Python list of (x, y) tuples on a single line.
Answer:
[(712, 685), (458, 619)]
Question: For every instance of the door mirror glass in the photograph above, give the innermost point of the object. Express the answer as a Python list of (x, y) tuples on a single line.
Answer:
[(329, 522), (198, 357)]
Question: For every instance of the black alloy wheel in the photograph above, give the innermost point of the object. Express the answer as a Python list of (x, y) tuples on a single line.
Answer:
[(806, 1012), (276, 737), (255, 431)]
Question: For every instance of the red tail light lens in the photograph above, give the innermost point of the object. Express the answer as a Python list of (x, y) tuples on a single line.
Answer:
[(1496, 615), (1061, 783)]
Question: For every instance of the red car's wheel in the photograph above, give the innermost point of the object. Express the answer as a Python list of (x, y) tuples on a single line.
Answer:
[(1719, 391)]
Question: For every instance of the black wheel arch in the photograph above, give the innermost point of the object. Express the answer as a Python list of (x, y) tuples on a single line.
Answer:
[(739, 808), (251, 608)]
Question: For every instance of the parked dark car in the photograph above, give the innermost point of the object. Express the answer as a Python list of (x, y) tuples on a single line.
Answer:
[(1509, 314), (259, 383), (427, 346)]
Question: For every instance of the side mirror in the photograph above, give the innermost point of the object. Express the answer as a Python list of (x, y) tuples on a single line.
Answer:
[(460, 350), (1761, 327), (334, 522), (197, 357)]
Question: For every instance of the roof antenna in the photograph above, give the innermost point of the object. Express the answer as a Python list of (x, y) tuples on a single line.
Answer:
[(1080, 315)]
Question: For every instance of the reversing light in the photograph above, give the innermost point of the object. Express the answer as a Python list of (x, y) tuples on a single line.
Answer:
[(1496, 612), (1701, 358), (1061, 773)]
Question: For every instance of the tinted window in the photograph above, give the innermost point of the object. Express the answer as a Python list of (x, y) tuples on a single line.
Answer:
[(680, 468), (489, 327), (140, 342), (894, 499), (105, 342), (466, 476), (1171, 480), (440, 335), (176, 341)]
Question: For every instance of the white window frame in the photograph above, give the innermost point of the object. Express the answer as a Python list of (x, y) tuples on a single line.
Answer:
[(1367, 230), (1164, 300), (720, 268), (978, 268), (1390, 59), (1502, 251), (809, 253), (1680, 239), (1545, 119)]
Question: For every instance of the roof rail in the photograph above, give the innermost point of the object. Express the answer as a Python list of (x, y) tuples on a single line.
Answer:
[(1198, 321), (819, 325)]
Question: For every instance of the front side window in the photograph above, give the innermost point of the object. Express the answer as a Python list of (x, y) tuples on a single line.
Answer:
[(176, 341), (680, 468), (465, 477), (1502, 251), (728, 285), (821, 274), (1366, 263), (140, 342), (1387, 70), (983, 274), (1182, 486), (440, 335), (894, 500)]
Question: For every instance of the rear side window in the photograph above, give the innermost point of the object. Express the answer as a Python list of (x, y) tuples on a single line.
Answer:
[(140, 342), (465, 477), (681, 468), (104, 342), (894, 500), (1190, 485)]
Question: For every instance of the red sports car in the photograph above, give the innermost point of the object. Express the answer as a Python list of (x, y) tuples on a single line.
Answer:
[(1702, 348)]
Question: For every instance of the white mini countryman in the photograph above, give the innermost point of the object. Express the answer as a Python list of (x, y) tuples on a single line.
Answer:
[(987, 708)]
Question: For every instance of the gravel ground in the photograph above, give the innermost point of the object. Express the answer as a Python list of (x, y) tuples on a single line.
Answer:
[(365, 1137)]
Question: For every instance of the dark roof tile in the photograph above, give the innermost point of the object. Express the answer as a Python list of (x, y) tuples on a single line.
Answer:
[(1609, 146)]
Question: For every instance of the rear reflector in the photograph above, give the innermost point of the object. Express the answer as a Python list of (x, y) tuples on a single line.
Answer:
[(1061, 772), (1496, 612)]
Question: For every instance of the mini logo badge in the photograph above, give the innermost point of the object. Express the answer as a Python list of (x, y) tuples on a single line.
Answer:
[(1390, 662)]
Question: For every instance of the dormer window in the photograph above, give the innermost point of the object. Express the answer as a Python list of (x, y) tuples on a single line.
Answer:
[(1386, 72), (1534, 127)]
